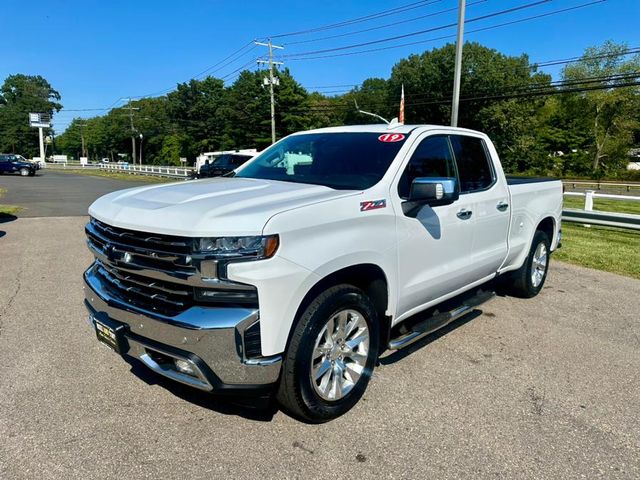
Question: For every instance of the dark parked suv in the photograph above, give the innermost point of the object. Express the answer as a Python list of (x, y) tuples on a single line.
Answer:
[(223, 165), (10, 163)]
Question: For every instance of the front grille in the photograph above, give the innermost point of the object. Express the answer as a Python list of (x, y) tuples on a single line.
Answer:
[(145, 270), (158, 272), (166, 298)]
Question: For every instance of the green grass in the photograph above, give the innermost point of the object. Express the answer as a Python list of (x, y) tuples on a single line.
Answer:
[(117, 175), (604, 204), (609, 249), (7, 209)]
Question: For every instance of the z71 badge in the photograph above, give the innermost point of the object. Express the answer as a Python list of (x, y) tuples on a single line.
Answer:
[(372, 205)]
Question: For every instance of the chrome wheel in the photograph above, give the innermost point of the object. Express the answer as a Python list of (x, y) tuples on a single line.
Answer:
[(24, 172), (340, 355), (539, 265)]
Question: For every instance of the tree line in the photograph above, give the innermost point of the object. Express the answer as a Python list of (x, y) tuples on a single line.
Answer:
[(583, 124)]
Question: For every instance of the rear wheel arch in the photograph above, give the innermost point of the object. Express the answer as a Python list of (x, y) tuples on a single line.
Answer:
[(548, 226)]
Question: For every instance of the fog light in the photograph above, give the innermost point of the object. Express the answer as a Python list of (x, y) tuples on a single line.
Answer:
[(186, 367)]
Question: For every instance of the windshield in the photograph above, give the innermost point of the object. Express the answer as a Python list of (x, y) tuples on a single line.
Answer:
[(230, 160), (349, 161)]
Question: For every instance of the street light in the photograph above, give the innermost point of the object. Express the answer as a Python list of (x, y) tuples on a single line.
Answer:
[(140, 150)]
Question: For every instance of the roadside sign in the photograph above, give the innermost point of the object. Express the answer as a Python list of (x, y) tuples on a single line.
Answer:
[(40, 120)]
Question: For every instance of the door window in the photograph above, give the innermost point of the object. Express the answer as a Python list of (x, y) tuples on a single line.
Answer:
[(473, 163), (431, 159)]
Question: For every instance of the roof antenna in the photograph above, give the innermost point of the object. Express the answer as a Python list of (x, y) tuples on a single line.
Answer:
[(371, 114)]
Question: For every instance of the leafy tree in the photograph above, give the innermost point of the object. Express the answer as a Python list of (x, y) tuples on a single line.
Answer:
[(571, 133), (487, 75), (247, 113), (324, 111), (292, 113), (174, 146), (612, 113), (19, 96), (196, 108)]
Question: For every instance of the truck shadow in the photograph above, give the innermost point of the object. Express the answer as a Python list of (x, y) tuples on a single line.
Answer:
[(260, 409), (6, 218)]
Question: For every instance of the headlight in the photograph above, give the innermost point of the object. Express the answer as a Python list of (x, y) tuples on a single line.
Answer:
[(253, 247)]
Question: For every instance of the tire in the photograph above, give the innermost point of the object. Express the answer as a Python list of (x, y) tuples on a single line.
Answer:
[(24, 172), (318, 399), (528, 280)]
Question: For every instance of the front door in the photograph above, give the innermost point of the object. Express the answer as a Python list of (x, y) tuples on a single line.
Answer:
[(434, 246)]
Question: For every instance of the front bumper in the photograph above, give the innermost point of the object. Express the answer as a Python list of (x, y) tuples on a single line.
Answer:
[(210, 339)]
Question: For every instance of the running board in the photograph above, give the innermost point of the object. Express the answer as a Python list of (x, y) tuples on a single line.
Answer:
[(439, 320)]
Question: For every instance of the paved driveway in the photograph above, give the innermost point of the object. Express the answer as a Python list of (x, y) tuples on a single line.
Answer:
[(540, 388), (58, 194)]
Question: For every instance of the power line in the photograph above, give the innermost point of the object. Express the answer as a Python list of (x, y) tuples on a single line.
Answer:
[(421, 32), (243, 67), (491, 27), (232, 58), (413, 19), (532, 66), (603, 82), (366, 18)]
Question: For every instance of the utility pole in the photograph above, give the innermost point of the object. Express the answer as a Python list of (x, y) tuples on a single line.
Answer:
[(133, 132), (84, 150), (271, 81), (458, 68)]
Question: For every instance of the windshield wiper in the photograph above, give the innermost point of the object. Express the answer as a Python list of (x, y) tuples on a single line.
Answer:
[(229, 174)]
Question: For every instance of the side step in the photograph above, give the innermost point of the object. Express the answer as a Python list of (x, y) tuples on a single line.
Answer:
[(439, 319)]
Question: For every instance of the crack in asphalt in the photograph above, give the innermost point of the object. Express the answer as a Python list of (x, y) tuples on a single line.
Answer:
[(12, 297)]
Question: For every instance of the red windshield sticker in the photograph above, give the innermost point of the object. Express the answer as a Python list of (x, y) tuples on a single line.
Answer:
[(372, 205), (391, 137)]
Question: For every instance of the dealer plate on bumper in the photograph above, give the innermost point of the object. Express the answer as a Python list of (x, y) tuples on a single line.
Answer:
[(110, 333)]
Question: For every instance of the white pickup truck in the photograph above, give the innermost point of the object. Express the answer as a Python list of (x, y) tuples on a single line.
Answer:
[(295, 278)]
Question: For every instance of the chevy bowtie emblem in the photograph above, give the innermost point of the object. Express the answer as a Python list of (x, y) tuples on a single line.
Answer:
[(372, 205)]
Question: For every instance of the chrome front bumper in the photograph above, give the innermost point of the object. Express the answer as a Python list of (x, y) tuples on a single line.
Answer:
[(209, 338)]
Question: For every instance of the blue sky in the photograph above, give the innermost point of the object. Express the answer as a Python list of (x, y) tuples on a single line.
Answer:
[(98, 52)]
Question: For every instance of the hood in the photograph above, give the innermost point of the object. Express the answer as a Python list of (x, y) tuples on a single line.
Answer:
[(212, 207)]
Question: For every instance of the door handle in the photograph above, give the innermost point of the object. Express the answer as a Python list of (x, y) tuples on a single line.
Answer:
[(464, 214), (502, 206)]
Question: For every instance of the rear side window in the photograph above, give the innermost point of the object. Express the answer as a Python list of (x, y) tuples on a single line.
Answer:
[(431, 159), (474, 167)]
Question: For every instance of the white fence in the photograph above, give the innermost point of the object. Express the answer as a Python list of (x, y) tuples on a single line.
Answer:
[(593, 217), (156, 170)]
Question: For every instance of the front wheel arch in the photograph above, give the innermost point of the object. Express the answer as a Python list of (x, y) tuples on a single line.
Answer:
[(369, 278)]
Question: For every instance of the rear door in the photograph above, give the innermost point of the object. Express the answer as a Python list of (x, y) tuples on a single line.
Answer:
[(482, 185)]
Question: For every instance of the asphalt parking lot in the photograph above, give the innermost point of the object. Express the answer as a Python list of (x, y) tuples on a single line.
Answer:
[(52, 193), (541, 388)]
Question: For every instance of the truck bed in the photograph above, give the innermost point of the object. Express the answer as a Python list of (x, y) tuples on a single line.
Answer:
[(514, 180)]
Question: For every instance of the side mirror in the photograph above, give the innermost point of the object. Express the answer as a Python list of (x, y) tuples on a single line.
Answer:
[(431, 191), (434, 191)]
